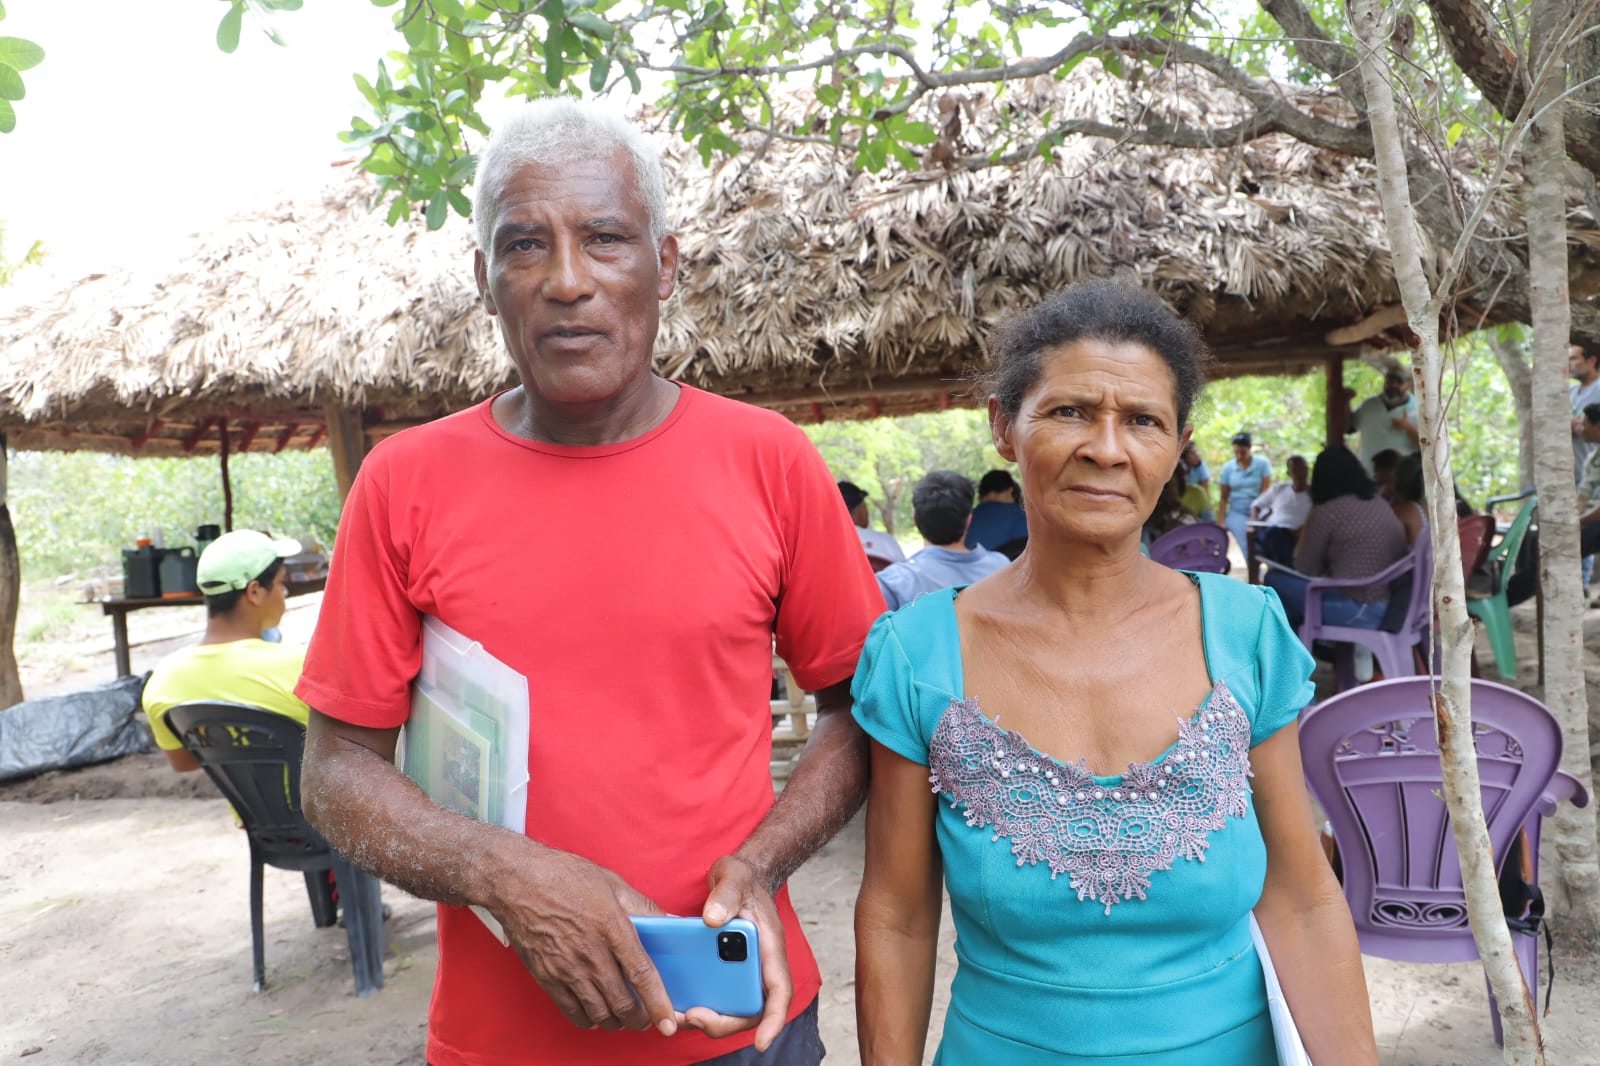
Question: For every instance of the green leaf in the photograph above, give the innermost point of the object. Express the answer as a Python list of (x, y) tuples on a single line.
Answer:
[(10, 84), (597, 73), (2, 11), (228, 28), (385, 3), (20, 55), (438, 210), (459, 201), (8, 117), (555, 64), (915, 132), (398, 210), (592, 23), (633, 79), (874, 155), (1451, 136), (454, 9)]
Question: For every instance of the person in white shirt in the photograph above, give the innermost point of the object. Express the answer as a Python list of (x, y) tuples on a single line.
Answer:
[(1281, 511), (1387, 420), (881, 548), (1584, 390)]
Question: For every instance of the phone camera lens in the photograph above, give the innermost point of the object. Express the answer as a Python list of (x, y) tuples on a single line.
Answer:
[(732, 947)]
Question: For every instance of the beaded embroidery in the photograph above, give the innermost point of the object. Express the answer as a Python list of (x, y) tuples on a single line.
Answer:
[(1108, 839)]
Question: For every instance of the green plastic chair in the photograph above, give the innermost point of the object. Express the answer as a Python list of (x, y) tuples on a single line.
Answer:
[(1491, 607)]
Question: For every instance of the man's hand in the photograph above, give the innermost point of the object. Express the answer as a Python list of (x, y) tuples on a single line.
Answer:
[(568, 921), (737, 892)]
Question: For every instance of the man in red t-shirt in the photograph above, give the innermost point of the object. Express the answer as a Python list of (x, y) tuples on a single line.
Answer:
[(709, 528)]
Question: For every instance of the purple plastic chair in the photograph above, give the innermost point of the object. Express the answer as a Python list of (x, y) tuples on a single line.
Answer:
[(1371, 758), (1202, 546), (1411, 579)]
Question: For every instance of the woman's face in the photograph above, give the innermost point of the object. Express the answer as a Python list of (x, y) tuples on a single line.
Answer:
[(1241, 452), (1096, 438)]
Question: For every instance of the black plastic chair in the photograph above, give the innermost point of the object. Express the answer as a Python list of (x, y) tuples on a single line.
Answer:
[(253, 757)]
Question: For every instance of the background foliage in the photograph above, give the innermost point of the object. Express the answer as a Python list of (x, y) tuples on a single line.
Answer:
[(75, 512), (1283, 414)]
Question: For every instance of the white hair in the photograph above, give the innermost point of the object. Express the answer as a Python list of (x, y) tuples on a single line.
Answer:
[(560, 129)]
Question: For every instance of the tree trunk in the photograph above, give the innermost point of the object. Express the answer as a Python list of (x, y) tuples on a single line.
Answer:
[(1519, 376), (1453, 702), (10, 596), (1575, 890)]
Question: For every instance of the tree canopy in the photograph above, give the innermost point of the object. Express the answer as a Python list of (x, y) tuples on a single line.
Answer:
[(886, 81)]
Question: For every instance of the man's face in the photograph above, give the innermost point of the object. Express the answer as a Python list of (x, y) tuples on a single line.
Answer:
[(1191, 456), (1578, 366), (1396, 387), (273, 599), (573, 276), (1298, 474)]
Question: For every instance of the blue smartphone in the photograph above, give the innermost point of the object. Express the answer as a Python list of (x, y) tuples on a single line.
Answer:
[(719, 969)]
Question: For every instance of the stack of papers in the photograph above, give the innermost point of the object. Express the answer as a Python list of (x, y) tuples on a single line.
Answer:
[(466, 743)]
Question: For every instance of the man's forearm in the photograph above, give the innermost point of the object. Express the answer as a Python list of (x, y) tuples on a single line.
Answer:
[(381, 821), (828, 786)]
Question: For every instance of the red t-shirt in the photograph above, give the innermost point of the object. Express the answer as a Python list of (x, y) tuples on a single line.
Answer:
[(638, 587)]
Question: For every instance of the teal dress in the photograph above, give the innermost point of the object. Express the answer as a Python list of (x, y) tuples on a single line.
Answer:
[(1098, 919)]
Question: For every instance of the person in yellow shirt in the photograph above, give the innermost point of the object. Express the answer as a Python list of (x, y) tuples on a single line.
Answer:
[(242, 576)]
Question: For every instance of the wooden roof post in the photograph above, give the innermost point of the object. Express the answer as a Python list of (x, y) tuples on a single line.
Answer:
[(347, 440), (1337, 408), (227, 478), (10, 595)]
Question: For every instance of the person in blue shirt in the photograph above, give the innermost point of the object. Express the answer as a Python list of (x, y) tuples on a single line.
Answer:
[(941, 506), (1243, 478), (998, 522), (1069, 814)]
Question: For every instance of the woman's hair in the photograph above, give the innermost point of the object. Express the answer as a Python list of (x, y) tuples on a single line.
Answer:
[(1339, 473), (1408, 479), (1101, 310)]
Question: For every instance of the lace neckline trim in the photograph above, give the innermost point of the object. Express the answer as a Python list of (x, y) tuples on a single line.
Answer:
[(1107, 837)]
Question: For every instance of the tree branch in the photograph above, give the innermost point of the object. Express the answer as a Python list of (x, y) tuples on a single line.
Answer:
[(1317, 48), (1476, 44)]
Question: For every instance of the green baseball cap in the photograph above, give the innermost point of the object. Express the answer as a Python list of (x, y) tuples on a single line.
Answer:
[(235, 559)]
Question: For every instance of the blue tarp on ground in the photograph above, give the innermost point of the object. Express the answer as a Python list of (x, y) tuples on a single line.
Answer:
[(73, 729)]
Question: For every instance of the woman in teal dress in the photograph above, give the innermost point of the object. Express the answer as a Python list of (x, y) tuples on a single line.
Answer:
[(1112, 755)]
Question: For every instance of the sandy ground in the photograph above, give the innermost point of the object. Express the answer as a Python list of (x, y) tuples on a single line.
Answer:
[(124, 936)]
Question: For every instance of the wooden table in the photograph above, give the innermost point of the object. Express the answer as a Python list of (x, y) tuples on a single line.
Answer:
[(118, 607)]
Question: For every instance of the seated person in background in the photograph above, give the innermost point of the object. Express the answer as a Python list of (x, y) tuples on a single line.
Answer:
[(881, 548), (1525, 576), (1350, 533), (1180, 504), (941, 504), (242, 577), (1282, 510), (1408, 498), (998, 522), (1383, 466), (1196, 471)]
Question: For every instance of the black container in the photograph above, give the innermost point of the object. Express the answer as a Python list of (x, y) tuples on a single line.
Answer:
[(177, 571), (141, 573)]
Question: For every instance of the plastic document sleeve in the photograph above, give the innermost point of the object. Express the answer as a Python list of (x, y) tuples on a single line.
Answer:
[(1285, 1034), (466, 742)]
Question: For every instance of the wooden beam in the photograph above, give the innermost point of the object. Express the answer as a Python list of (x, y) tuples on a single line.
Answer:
[(347, 440), (1336, 408), (1371, 326), (316, 437), (286, 436), (194, 435), (872, 406), (149, 431), (227, 480), (249, 435)]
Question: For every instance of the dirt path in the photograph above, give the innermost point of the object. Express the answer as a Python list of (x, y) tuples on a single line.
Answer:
[(124, 934), (124, 939)]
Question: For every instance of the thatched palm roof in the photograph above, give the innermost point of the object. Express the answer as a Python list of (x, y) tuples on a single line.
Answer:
[(806, 286)]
